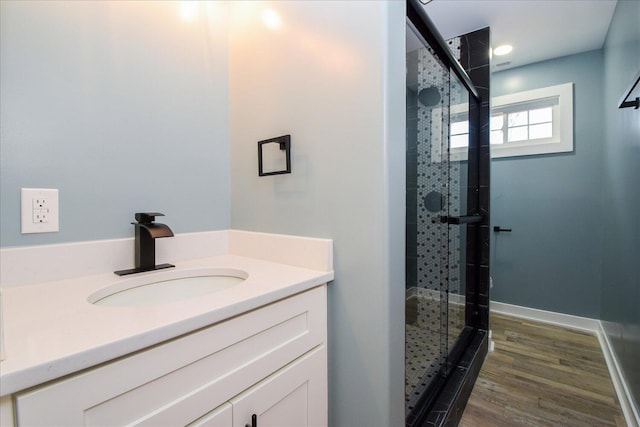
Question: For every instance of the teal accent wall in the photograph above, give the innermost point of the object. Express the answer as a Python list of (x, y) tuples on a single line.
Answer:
[(621, 194), (552, 260), (122, 106)]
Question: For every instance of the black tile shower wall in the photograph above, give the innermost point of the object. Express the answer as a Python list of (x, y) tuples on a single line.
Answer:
[(474, 58)]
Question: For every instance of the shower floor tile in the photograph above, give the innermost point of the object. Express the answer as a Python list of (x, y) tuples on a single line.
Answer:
[(422, 361), (426, 348)]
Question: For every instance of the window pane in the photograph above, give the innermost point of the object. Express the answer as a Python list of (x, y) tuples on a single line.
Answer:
[(458, 128), (497, 137), (497, 121), (518, 134), (540, 115), (518, 119), (457, 141), (543, 130)]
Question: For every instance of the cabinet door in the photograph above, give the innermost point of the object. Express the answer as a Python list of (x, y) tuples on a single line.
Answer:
[(6, 411), (220, 417), (295, 396)]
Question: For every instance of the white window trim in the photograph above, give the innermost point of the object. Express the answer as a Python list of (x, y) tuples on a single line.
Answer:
[(563, 143)]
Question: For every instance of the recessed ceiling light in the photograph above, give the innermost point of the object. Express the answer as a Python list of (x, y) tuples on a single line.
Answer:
[(503, 49)]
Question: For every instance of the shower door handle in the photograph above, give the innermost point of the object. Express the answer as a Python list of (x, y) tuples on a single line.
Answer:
[(465, 219)]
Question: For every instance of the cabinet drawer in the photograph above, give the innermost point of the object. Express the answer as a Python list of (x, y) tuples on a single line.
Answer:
[(178, 381)]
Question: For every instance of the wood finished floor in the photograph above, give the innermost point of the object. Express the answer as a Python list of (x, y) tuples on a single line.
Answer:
[(542, 375)]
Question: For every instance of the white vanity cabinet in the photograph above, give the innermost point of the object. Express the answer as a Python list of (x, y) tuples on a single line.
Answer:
[(271, 362), (286, 398)]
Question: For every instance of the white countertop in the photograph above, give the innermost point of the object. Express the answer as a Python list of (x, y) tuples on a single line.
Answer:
[(51, 330)]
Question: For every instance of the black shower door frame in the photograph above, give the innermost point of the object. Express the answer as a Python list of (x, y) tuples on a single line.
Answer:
[(445, 398)]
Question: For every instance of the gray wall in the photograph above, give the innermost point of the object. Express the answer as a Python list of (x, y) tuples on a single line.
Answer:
[(552, 259), (123, 106), (621, 158), (342, 101)]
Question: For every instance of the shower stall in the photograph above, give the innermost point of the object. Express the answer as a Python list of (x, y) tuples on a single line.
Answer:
[(447, 222)]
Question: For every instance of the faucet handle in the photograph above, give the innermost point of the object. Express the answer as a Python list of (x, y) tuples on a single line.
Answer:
[(147, 217)]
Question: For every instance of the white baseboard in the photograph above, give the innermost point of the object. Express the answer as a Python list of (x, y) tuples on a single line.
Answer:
[(629, 410), (551, 317)]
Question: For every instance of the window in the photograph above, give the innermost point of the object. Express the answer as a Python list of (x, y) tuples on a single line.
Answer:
[(523, 125), (538, 121)]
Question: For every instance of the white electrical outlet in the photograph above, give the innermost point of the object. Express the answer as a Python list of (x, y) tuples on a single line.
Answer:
[(40, 210)]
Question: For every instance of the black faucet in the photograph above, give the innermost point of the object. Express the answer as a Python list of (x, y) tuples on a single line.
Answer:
[(147, 232)]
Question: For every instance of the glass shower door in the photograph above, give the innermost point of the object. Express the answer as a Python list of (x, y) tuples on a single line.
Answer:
[(437, 110), (458, 188)]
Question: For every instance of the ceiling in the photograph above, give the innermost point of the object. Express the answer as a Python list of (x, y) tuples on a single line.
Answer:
[(537, 29)]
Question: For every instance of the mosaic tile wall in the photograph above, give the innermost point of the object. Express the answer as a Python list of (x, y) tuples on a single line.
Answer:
[(439, 184), (428, 175), (433, 171)]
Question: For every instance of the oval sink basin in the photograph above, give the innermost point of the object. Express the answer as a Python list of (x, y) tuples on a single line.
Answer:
[(166, 287)]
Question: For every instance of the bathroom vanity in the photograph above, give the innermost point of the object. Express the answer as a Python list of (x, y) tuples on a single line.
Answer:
[(249, 354)]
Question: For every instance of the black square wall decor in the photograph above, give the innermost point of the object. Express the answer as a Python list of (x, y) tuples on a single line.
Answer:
[(274, 156)]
